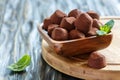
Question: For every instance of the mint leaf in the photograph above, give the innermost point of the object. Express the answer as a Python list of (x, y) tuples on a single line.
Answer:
[(106, 28), (110, 23), (100, 32), (21, 64)]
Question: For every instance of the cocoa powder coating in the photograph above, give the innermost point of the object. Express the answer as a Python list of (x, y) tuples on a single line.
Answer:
[(75, 34), (59, 34), (57, 16), (68, 23), (83, 23), (74, 13), (46, 23), (93, 14), (97, 60), (51, 27)]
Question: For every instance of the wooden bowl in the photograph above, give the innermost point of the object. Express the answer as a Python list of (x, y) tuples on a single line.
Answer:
[(76, 46)]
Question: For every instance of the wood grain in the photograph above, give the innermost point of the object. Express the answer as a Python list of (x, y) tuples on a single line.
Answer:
[(76, 46), (78, 68)]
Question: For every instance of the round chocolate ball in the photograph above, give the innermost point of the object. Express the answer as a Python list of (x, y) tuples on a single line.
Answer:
[(75, 34), (51, 27), (97, 60), (46, 22), (57, 16), (74, 13), (59, 34), (68, 23), (83, 23), (93, 14)]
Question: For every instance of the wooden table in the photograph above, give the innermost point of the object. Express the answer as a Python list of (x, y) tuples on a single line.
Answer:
[(78, 66), (19, 34)]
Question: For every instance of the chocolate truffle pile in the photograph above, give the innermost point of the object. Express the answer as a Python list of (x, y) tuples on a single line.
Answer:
[(76, 24)]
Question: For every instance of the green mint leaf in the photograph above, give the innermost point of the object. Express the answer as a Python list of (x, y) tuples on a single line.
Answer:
[(99, 32), (105, 29), (110, 23), (16, 69), (21, 64), (25, 60), (108, 26)]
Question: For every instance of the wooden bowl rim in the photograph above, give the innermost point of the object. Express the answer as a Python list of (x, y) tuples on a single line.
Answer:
[(40, 29)]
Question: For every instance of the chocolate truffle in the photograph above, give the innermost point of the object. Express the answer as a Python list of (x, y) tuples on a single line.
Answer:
[(59, 34), (68, 23), (57, 16), (74, 13), (75, 34), (92, 32), (97, 60), (51, 27), (83, 23), (46, 22), (93, 14), (96, 23)]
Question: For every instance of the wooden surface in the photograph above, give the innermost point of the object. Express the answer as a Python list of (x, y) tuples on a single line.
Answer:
[(78, 68)]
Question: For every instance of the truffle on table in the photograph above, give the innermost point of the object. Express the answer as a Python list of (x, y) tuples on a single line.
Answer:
[(51, 27), (75, 34), (59, 34), (57, 16), (93, 14), (97, 60), (46, 22), (83, 23), (74, 13), (68, 23)]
